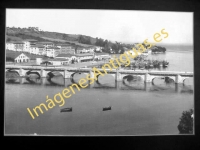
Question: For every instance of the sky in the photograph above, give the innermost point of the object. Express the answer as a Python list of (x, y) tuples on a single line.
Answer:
[(127, 26)]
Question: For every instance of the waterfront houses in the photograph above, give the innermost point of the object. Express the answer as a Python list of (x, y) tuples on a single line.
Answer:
[(68, 52)]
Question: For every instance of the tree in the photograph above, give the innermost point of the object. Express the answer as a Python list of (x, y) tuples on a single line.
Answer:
[(186, 122)]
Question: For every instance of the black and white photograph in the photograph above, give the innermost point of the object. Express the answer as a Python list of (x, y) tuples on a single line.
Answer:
[(97, 72)]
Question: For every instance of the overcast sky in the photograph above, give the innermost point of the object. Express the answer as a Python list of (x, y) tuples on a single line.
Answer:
[(115, 25)]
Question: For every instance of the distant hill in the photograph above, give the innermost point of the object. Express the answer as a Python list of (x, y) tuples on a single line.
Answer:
[(17, 34)]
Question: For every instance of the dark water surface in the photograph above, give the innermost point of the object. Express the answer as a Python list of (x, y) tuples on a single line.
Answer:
[(136, 108)]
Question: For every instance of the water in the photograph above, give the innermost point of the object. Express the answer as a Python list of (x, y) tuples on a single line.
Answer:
[(137, 108)]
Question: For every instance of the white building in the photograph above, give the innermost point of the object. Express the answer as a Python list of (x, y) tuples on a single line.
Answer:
[(52, 51), (58, 61), (19, 46), (34, 50), (10, 46), (42, 50), (22, 58), (28, 43)]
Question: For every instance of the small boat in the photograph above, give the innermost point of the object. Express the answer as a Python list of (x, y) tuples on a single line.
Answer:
[(66, 109), (107, 108)]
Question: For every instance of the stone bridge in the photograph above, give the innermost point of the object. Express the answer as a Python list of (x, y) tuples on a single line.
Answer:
[(119, 75)]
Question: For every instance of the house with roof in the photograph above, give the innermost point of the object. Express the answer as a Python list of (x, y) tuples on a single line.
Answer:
[(22, 58), (52, 51)]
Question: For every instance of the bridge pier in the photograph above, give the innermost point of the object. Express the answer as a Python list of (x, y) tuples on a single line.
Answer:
[(42, 80), (178, 79), (91, 76), (21, 80), (178, 88), (147, 78), (43, 73), (67, 74), (22, 72), (118, 84), (67, 82), (147, 86), (118, 76)]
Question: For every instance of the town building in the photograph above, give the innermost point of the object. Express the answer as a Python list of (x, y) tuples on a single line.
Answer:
[(28, 43), (22, 58), (101, 56), (41, 50), (46, 44), (68, 57), (52, 51), (34, 50), (58, 61), (18, 46), (10, 46), (67, 48)]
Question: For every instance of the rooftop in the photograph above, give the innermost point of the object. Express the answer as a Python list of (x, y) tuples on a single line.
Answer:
[(65, 55), (18, 42), (53, 48)]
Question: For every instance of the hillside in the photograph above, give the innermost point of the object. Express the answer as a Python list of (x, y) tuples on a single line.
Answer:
[(16, 34)]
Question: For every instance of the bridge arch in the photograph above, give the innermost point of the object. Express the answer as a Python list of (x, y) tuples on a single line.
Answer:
[(184, 78), (168, 78), (131, 76), (12, 70), (33, 72)]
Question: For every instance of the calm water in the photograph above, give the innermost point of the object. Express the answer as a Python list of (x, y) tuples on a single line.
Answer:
[(137, 108)]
